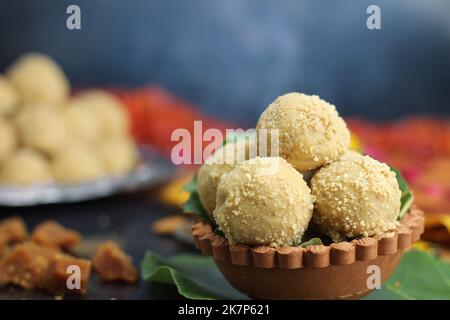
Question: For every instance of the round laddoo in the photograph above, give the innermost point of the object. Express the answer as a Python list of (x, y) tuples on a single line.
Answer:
[(263, 201), (311, 133), (8, 96), (356, 197), (107, 109), (119, 155), (77, 163), (43, 128), (8, 140), (82, 123), (26, 166), (221, 162), (38, 79), (349, 155)]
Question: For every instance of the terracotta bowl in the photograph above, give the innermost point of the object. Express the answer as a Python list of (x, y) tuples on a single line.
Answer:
[(337, 271)]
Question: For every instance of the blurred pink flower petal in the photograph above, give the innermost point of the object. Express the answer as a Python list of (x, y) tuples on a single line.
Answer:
[(434, 190), (411, 174), (375, 153)]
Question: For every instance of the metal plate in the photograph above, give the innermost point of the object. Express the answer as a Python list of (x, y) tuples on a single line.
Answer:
[(152, 170)]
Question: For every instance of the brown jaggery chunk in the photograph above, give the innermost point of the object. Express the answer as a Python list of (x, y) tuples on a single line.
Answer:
[(53, 235), (58, 274), (13, 229), (3, 245), (26, 265), (31, 266), (112, 264), (168, 225)]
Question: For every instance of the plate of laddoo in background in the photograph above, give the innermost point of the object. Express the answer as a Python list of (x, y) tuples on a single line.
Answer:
[(55, 147)]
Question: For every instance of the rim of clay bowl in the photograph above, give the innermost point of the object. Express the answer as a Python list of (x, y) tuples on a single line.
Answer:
[(315, 256)]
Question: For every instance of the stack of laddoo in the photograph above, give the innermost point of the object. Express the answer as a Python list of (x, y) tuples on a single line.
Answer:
[(267, 200), (46, 135)]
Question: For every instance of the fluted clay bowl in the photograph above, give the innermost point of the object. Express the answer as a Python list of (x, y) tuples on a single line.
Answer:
[(337, 271)]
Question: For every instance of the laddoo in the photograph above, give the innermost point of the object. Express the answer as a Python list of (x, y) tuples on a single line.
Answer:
[(355, 197), (38, 79), (8, 140), (8, 96), (82, 123), (26, 166), (310, 131), (263, 201), (349, 155), (221, 162), (107, 109), (43, 128), (119, 155), (76, 163)]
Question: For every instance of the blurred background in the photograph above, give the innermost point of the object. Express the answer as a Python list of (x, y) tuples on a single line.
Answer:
[(232, 58), (169, 63)]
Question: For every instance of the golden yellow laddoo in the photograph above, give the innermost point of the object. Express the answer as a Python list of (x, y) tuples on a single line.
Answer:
[(8, 141), (263, 201), (311, 133), (119, 155), (38, 79), (78, 162), (222, 161), (8, 97), (25, 167), (350, 155), (43, 128), (82, 123), (355, 197), (107, 109)]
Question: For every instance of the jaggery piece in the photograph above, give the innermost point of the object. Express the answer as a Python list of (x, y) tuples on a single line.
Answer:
[(168, 225), (27, 265), (59, 276), (3, 245), (31, 266), (13, 230), (112, 264), (53, 235), (3, 251)]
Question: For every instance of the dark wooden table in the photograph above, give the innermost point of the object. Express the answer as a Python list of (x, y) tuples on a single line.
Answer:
[(127, 218)]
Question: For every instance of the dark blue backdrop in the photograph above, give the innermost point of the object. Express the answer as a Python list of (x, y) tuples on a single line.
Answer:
[(232, 57)]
